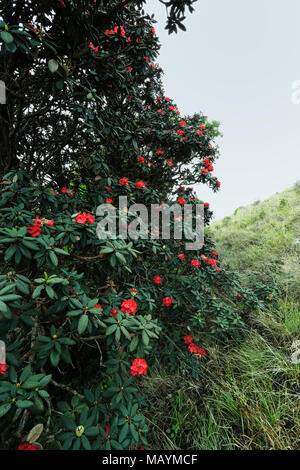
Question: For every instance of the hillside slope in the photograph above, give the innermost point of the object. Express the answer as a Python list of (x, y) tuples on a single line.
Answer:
[(264, 238), (247, 394)]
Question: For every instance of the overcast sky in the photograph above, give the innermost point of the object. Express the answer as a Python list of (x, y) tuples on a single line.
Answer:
[(236, 63)]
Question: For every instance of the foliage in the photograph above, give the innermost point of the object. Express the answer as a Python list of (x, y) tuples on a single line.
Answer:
[(86, 121)]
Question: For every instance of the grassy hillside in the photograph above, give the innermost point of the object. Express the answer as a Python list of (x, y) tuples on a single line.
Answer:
[(247, 396), (263, 238)]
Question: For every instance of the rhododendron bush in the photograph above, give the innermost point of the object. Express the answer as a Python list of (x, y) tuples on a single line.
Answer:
[(82, 318)]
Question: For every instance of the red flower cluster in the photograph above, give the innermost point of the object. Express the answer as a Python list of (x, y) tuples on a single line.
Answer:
[(195, 263), (192, 348), (140, 185), (141, 160), (109, 201), (35, 229), (157, 280), (3, 368), (116, 30), (65, 190), (180, 132), (182, 123), (129, 306), (114, 312), (159, 152), (27, 446), (181, 201), (123, 181), (138, 367), (167, 301), (85, 217), (94, 48), (168, 162)]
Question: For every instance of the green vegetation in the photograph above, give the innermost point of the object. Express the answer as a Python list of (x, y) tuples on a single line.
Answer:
[(248, 394)]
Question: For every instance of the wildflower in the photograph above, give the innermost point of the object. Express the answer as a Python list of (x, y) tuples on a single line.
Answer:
[(139, 367), (114, 312), (192, 348), (195, 263), (27, 446), (188, 339), (181, 201), (140, 185), (167, 301), (129, 306), (123, 181), (157, 280)]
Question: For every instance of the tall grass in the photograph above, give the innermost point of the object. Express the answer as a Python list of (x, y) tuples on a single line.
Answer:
[(247, 396)]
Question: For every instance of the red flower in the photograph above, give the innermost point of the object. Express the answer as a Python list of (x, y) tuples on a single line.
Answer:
[(167, 301), (159, 152), (200, 132), (212, 262), (192, 348), (129, 306), (84, 217), (109, 201), (35, 229), (210, 167), (27, 446), (123, 181), (204, 170), (180, 132), (107, 188), (214, 253), (89, 218), (188, 339), (201, 352), (114, 311), (107, 428), (80, 218), (181, 201), (139, 367), (160, 111), (3, 369), (97, 306), (157, 280), (128, 68), (140, 185), (218, 184), (168, 162), (206, 162), (64, 190), (206, 204), (180, 256), (182, 123), (195, 263), (141, 160)]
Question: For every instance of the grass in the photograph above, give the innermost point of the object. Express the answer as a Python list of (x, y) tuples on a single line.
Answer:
[(247, 396)]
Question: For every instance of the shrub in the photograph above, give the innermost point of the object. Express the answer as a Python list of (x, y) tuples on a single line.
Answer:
[(81, 316)]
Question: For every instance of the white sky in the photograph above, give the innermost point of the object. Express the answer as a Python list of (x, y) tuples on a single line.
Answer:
[(236, 63)]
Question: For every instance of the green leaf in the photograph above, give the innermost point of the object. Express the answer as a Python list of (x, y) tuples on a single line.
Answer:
[(4, 409), (7, 37), (111, 329), (24, 403), (54, 357), (83, 323)]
